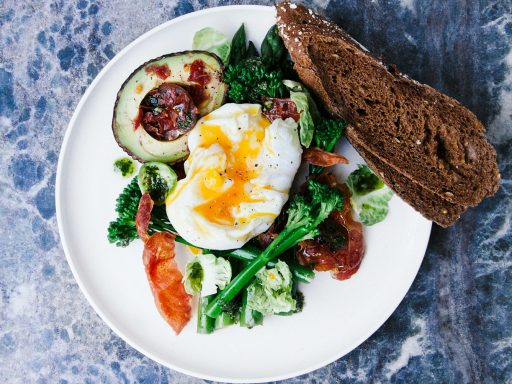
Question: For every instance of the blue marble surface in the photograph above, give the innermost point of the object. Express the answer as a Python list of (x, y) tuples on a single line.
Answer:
[(455, 324)]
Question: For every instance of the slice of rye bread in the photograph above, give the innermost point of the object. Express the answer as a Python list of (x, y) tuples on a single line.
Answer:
[(429, 204), (432, 206), (424, 135)]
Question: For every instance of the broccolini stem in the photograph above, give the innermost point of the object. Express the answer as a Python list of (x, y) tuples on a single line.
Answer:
[(161, 224), (299, 272), (205, 324), (224, 320), (246, 253)]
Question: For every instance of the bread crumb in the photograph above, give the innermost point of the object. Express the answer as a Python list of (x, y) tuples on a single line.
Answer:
[(418, 142)]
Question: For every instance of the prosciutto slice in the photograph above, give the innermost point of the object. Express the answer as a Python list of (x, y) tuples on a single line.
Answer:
[(317, 156), (165, 280), (164, 276), (143, 216)]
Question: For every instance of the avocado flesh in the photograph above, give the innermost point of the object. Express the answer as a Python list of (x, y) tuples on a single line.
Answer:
[(134, 139)]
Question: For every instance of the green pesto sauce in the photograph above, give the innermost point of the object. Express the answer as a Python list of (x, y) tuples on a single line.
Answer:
[(125, 166)]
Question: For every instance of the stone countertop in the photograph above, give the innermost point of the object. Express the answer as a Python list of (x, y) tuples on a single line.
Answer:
[(454, 325)]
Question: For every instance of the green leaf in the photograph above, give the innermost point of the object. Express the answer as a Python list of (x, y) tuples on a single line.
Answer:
[(307, 108), (307, 127), (251, 51), (211, 40), (369, 196), (273, 50), (363, 181), (194, 278), (294, 86), (271, 291), (238, 46), (249, 318), (374, 207)]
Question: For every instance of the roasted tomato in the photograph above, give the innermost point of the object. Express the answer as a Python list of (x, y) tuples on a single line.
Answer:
[(275, 108), (168, 112)]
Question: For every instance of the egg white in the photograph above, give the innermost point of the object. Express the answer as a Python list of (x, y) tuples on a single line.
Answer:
[(239, 174)]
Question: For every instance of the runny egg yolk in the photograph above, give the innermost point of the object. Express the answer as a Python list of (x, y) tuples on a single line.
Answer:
[(241, 168), (194, 250)]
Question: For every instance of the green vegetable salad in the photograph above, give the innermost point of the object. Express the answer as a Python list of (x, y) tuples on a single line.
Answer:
[(263, 278)]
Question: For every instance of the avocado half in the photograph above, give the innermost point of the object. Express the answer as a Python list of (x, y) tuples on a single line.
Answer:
[(208, 95)]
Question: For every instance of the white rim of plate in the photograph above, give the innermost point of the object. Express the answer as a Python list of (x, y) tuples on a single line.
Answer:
[(58, 185)]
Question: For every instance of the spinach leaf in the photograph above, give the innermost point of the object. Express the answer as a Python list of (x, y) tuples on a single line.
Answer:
[(251, 51), (238, 46), (273, 50)]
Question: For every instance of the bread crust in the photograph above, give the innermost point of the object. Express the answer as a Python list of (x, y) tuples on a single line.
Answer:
[(426, 137)]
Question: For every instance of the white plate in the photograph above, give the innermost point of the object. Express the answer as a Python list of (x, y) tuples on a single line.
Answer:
[(339, 315)]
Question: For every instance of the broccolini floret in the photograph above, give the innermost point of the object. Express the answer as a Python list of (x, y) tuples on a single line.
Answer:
[(328, 133), (251, 78), (123, 231)]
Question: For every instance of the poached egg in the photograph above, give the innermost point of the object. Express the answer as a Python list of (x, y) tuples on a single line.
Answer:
[(238, 177)]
